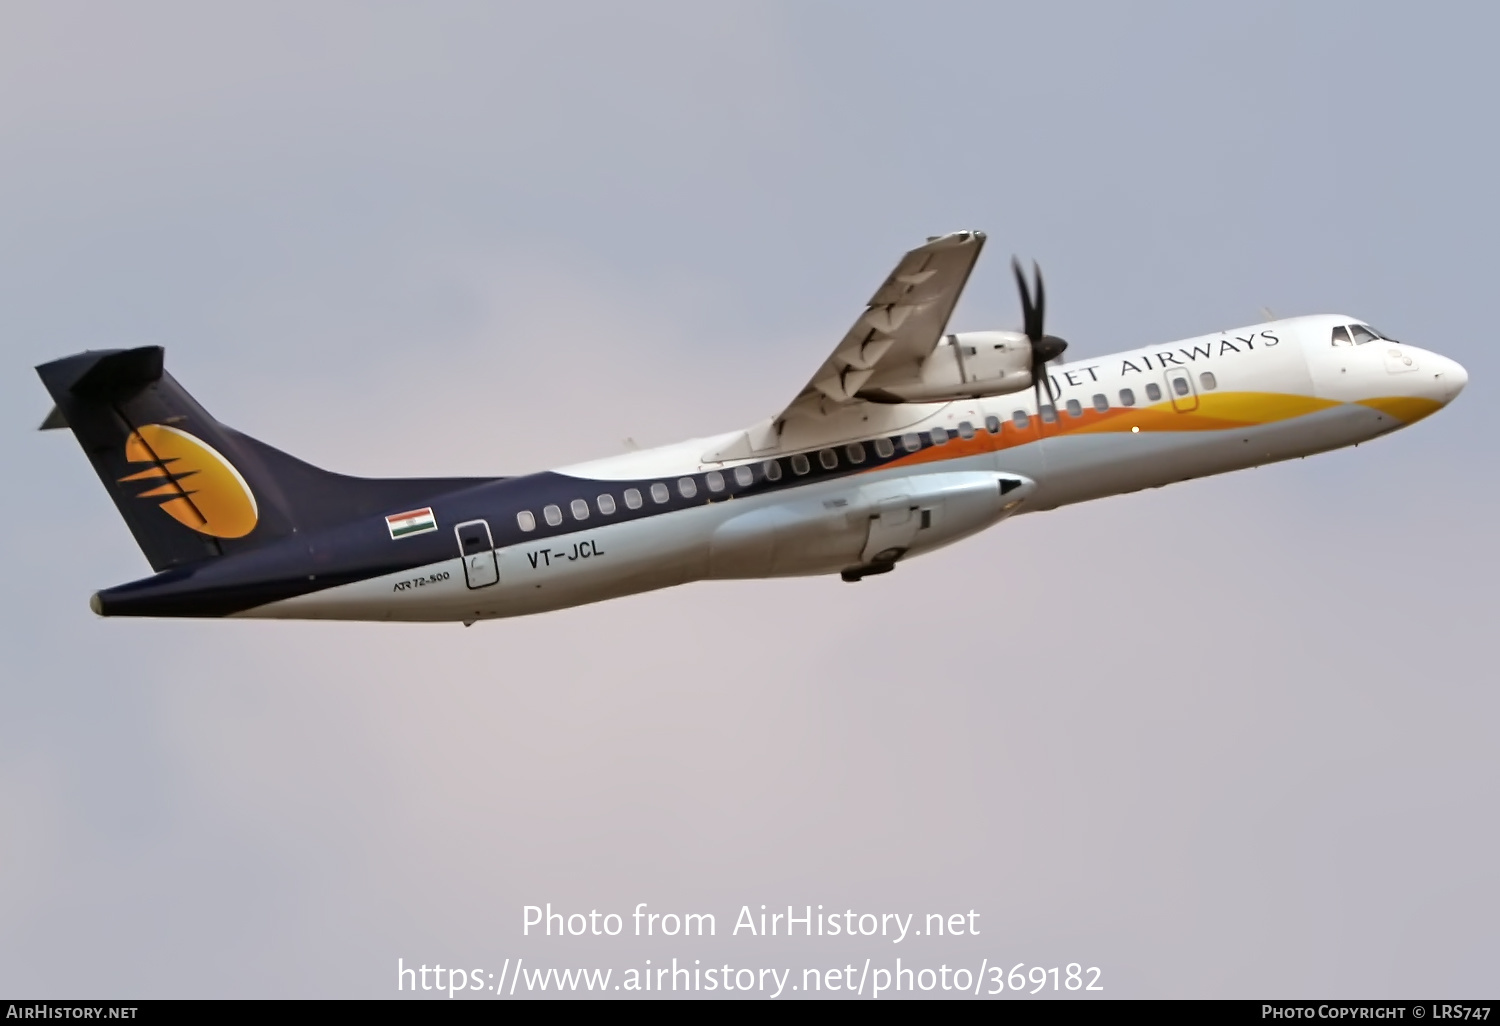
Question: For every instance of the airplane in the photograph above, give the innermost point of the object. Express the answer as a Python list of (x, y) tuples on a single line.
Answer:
[(907, 438)]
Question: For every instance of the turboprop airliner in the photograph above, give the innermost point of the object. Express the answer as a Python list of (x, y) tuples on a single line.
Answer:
[(906, 439)]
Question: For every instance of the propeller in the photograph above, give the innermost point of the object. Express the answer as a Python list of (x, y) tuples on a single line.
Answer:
[(1044, 348)]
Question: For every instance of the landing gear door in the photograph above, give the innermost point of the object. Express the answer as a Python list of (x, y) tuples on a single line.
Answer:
[(892, 531), (478, 551), (1180, 388)]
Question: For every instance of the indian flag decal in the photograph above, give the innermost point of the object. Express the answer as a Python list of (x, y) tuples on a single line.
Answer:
[(417, 521)]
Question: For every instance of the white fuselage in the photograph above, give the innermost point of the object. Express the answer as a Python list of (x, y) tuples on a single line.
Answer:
[(1131, 420)]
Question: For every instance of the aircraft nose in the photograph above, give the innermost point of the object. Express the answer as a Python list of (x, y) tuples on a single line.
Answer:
[(1450, 378)]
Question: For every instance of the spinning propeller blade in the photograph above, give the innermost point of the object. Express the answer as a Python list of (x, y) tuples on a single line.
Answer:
[(1044, 348)]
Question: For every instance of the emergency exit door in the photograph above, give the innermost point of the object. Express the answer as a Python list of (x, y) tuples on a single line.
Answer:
[(478, 551), (1180, 388)]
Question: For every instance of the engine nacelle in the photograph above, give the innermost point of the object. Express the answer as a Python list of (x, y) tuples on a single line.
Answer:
[(972, 365)]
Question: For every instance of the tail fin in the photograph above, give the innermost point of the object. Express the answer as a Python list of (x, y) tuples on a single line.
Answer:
[(190, 488)]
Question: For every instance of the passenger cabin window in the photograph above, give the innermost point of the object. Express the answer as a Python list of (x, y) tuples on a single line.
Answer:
[(855, 451), (714, 480), (633, 498), (992, 424), (580, 509), (659, 492), (965, 429), (911, 441), (1180, 385), (884, 448), (1208, 381), (800, 465), (1075, 408), (1049, 414), (552, 514), (687, 487), (1020, 419), (606, 503), (939, 436), (1101, 402), (773, 470), (744, 476), (1153, 391), (828, 458), (1341, 336), (1127, 397), (1363, 334), (525, 521)]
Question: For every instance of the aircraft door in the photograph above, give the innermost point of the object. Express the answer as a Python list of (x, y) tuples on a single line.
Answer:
[(892, 530), (1180, 388), (478, 551)]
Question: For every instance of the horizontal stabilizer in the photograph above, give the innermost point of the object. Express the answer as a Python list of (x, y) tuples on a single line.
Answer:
[(119, 375)]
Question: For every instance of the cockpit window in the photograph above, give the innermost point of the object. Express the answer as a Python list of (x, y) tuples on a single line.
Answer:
[(1363, 334), (1377, 333), (1341, 336)]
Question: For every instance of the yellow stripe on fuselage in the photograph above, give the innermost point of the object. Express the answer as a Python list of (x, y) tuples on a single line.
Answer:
[(1408, 409)]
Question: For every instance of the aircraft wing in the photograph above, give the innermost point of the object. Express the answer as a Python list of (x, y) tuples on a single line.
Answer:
[(902, 323)]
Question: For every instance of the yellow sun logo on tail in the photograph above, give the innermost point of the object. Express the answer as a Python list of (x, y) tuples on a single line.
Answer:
[(200, 488)]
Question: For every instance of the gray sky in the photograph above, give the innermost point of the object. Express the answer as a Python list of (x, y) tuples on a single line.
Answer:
[(1230, 738)]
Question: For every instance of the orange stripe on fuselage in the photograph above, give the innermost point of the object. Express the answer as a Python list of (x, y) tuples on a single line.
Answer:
[(1223, 411)]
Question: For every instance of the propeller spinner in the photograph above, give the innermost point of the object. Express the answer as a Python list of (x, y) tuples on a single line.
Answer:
[(1044, 348)]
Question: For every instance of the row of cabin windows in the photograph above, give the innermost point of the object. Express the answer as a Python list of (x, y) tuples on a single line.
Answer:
[(1180, 385), (854, 454), (687, 487)]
